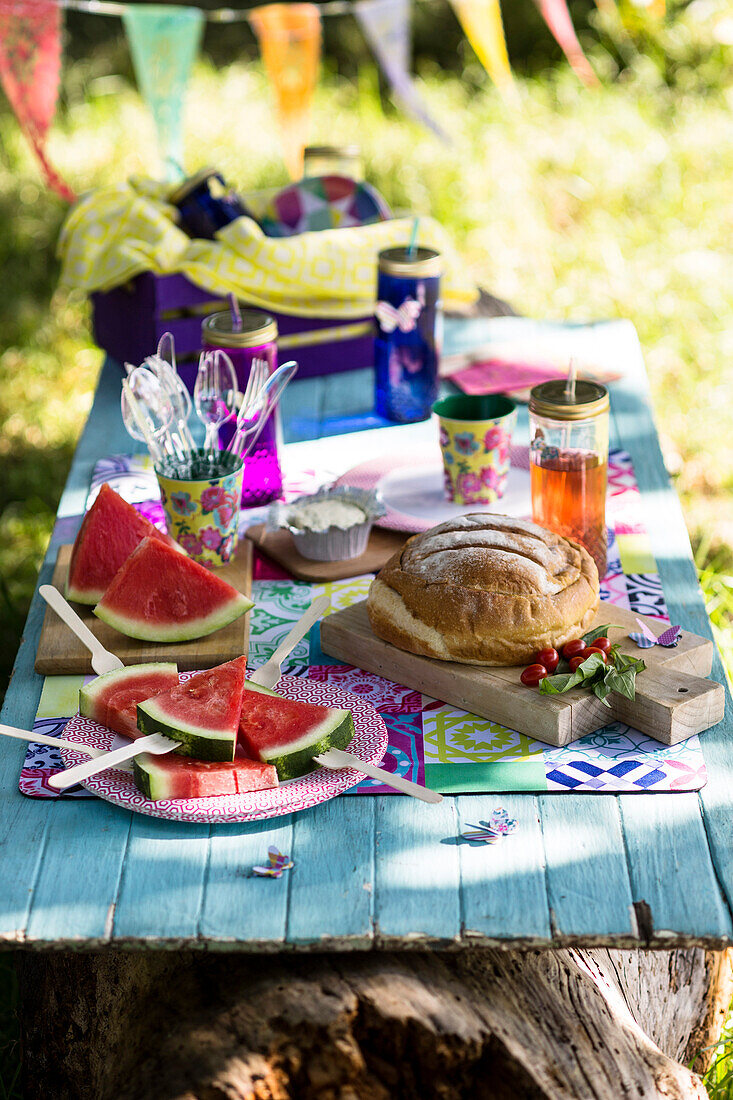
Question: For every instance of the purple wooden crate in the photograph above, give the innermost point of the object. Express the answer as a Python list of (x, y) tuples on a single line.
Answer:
[(129, 320)]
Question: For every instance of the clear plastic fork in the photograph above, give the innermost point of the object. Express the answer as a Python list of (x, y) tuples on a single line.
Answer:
[(250, 403), (214, 394)]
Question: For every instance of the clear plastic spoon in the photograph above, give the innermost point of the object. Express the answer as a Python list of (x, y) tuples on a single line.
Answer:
[(214, 394)]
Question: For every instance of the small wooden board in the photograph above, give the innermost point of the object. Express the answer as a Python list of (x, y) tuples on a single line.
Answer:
[(279, 546), (673, 698), (60, 652)]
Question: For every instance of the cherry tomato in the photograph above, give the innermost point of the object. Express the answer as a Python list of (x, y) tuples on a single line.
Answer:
[(572, 649), (533, 674), (594, 649), (575, 661), (601, 643), (549, 657)]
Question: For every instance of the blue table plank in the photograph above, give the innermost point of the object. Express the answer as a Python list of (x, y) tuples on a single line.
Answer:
[(332, 887), (503, 888), (235, 900), (417, 876), (671, 870), (588, 886)]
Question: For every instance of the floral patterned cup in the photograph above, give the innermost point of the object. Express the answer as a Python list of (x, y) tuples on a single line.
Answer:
[(475, 435), (202, 514)]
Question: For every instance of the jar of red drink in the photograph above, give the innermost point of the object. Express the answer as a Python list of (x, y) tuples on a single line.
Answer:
[(569, 462), (244, 336)]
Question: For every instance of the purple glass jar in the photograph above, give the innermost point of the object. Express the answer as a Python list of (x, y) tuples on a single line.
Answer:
[(257, 339), (407, 344)]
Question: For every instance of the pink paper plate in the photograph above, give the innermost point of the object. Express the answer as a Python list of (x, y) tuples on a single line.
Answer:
[(427, 505), (369, 743)]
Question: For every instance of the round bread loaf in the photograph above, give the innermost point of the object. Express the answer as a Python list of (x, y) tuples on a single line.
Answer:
[(484, 589)]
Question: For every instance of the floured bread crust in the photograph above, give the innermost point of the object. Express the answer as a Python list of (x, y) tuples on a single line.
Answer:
[(484, 589)]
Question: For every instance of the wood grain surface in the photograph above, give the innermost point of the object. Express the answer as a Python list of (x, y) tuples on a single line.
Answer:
[(61, 653), (279, 546), (673, 698)]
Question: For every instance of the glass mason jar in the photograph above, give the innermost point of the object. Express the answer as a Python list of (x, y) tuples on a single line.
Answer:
[(257, 339), (409, 330), (333, 160), (569, 462), (206, 204)]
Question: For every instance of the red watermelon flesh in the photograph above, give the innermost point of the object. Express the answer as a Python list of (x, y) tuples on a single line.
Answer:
[(109, 533), (159, 595), (173, 776), (288, 732), (202, 714), (112, 699)]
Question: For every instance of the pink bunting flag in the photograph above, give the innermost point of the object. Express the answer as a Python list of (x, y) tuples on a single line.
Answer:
[(555, 13), (30, 67)]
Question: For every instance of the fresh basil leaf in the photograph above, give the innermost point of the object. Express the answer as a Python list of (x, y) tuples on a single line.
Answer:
[(599, 632), (602, 690), (591, 666), (558, 685), (622, 682)]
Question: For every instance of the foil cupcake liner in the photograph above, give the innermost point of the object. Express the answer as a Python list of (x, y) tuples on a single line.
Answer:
[(334, 543)]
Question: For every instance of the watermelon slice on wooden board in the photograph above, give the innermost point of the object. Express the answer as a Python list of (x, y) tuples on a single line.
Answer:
[(203, 713), (109, 533), (112, 699), (173, 776), (159, 595), (288, 732)]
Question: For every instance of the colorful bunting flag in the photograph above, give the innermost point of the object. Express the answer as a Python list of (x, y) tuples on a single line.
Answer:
[(30, 67), (386, 26), (555, 13), (481, 21), (164, 41), (290, 41)]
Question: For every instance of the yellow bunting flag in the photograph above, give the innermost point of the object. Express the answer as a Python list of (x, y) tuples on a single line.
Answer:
[(290, 42), (481, 21)]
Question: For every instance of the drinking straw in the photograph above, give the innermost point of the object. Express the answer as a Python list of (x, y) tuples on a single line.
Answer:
[(236, 315), (412, 246), (570, 384)]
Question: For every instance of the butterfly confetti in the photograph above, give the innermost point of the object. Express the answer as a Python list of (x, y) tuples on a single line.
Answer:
[(488, 832), (278, 863), (646, 639)]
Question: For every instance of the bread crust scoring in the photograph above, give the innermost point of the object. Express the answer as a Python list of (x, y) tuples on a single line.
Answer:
[(484, 589)]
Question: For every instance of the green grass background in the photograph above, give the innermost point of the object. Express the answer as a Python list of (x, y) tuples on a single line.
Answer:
[(575, 205)]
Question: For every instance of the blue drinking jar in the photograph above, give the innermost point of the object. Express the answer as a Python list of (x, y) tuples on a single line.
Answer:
[(204, 211), (409, 329)]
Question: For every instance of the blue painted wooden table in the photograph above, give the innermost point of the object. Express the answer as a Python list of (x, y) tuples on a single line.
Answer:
[(372, 871)]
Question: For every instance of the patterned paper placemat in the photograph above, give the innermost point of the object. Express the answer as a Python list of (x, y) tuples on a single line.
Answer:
[(429, 741)]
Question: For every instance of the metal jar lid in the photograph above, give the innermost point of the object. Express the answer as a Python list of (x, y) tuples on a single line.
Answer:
[(257, 328), (404, 261), (191, 184), (352, 152), (551, 399)]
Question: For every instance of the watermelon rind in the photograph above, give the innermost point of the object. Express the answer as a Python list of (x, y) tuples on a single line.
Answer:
[(176, 632), (94, 696), (198, 741), (152, 776)]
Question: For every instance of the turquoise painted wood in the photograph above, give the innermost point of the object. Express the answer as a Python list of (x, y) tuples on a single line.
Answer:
[(382, 871)]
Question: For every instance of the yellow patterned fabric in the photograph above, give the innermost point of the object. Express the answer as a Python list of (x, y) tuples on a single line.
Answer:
[(114, 234)]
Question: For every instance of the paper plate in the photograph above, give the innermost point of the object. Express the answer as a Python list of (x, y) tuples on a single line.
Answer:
[(117, 786), (411, 487), (322, 202)]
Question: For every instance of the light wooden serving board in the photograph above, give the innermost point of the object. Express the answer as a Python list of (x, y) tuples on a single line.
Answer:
[(279, 546), (60, 652), (673, 698)]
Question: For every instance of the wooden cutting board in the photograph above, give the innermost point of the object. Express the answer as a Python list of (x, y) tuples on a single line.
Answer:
[(60, 652), (673, 698), (279, 546)]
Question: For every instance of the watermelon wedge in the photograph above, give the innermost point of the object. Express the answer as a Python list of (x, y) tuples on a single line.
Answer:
[(112, 699), (109, 533), (160, 595), (289, 733), (172, 776), (203, 714)]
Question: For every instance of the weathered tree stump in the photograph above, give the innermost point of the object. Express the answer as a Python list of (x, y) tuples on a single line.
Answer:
[(369, 1026)]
